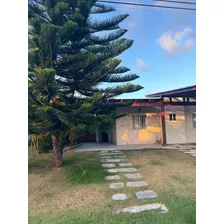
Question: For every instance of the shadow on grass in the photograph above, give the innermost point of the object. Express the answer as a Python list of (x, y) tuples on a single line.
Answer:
[(79, 168), (181, 180), (84, 168), (41, 163), (156, 163)]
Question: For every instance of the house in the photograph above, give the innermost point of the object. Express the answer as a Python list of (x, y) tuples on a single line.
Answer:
[(160, 118)]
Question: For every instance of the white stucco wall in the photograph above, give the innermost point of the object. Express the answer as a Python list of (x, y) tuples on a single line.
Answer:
[(190, 130), (181, 130), (125, 134), (178, 131), (175, 130)]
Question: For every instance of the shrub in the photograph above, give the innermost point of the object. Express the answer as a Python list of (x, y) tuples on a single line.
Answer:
[(45, 144)]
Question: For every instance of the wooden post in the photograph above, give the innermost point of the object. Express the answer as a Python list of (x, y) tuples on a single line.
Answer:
[(163, 124)]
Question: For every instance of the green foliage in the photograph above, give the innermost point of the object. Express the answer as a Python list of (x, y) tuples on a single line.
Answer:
[(45, 144), (69, 54)]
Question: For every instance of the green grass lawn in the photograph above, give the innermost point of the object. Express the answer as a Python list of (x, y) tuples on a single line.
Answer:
[(78, 194)]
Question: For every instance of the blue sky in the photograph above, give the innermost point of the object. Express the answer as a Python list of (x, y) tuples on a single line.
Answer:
[(163, 53)]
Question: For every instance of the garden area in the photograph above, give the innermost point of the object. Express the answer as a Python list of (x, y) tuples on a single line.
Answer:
[(77, 192)]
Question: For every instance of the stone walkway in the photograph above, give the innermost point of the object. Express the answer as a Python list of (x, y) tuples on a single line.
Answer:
[(118, 164), (186, 149), (93, 146)]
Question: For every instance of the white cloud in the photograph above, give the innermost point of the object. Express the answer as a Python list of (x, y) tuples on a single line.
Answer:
[(143, 66), (176, 43), (180, 35), (188, 45)]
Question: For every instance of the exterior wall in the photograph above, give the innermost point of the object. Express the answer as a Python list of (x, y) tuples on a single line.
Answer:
[(175, 130), (190, 130), (125, 135), (181, 130), (114, 134)]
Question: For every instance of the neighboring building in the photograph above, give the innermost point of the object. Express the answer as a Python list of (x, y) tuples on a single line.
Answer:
[(161, 118)]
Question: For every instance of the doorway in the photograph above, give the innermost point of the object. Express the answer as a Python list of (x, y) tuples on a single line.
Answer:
[(104, 136)]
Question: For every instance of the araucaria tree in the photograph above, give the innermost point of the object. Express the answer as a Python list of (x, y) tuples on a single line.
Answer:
[(70, 56)]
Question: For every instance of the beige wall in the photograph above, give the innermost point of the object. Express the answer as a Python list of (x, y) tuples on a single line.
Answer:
[(190, 130), (181, 130), (125, 134), (175, 130)]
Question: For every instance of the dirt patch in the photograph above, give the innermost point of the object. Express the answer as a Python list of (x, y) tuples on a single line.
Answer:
[(166, 170), (50, 193)]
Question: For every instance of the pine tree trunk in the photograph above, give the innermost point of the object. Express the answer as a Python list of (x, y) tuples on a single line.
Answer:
[(61, 145), (56, 150), (35, 140), (71, 141)]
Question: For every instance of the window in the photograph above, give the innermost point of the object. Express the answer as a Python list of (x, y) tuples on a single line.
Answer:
[(166, 99), (194, 120), (172, 117), (173, 99), (180, 99), (138, 122), (177, 99), (192, 99)]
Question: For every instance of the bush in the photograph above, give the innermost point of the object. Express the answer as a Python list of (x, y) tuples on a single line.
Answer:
[(45, 144)]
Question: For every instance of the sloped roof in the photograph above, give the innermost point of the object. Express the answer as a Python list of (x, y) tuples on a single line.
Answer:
[(189, 91)]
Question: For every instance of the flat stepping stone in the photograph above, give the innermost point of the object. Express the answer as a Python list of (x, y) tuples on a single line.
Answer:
[(115, 177), (120, 157), (124, 164), (109, 151), (190, 152), (119, 197), (114, 160), (148, 207), (133, 175), (108, 165), (146, 194), (121, 170), (136, 184), (105, 157), (116, 185), (111, 154)]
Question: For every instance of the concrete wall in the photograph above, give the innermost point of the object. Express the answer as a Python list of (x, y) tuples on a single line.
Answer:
[(190, 130), (125, 135), (181, 130), (113, 134), (175, 130)]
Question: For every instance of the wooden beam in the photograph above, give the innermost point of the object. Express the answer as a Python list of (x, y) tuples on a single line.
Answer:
[(163, 124)]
